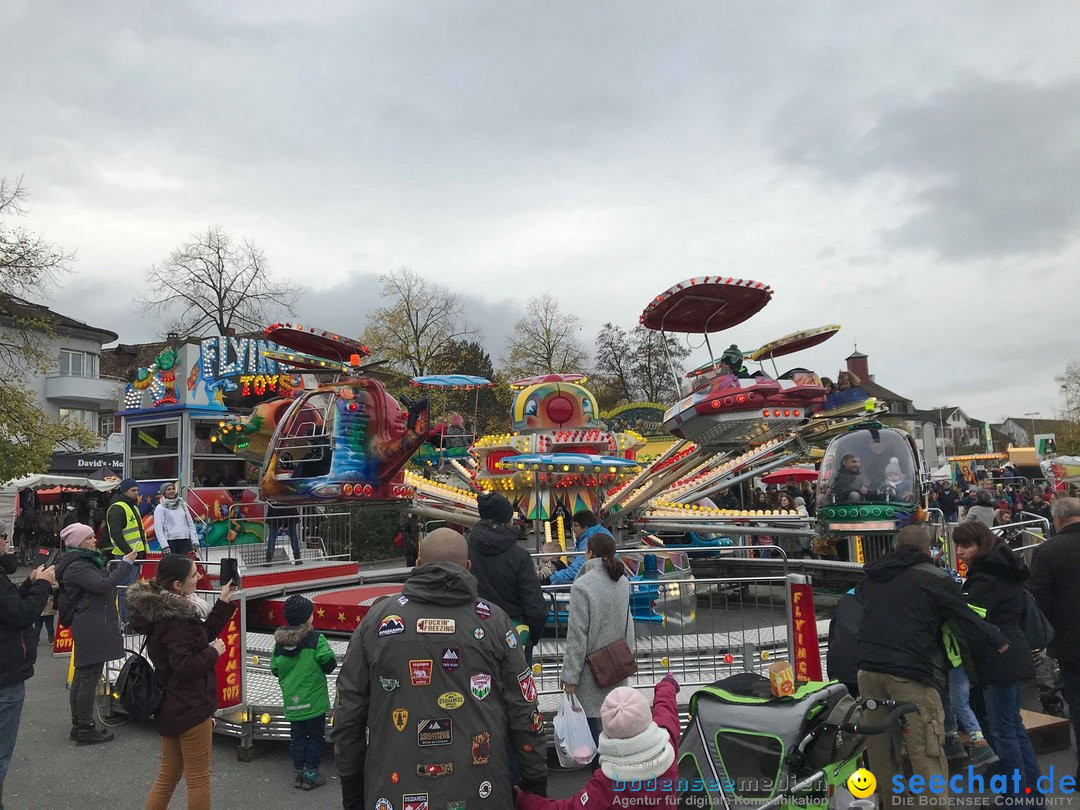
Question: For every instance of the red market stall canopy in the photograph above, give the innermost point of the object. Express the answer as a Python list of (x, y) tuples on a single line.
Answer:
[(46, 485)]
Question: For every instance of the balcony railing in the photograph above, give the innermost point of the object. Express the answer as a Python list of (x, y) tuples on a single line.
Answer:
[(92, 390)]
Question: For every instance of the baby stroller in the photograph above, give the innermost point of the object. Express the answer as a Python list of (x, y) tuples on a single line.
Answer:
[(746, 749)]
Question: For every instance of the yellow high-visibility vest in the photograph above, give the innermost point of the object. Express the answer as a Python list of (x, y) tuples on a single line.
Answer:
[(133, 534)]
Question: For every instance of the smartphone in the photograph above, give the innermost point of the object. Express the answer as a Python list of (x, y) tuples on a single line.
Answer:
[(46, 556)]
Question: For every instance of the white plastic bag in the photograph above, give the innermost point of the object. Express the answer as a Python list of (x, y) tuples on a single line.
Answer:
[(573, 740)]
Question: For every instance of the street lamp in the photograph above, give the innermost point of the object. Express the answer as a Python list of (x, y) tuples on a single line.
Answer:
[(1032, 414), (941, 427)]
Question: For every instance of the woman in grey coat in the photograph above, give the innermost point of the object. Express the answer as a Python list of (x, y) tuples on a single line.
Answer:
[(83, 579), (599, 615)]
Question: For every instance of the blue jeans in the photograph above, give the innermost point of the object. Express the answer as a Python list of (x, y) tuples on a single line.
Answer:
[(11, 704), (958, 709), (271, 539), (1008, 736), (307, 740)]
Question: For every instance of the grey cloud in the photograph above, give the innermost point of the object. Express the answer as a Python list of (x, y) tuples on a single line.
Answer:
[(993, 166)]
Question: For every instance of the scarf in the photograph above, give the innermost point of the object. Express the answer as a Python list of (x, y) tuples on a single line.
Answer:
[(171, 503), (200, 604), (95, 556), (639, 758)]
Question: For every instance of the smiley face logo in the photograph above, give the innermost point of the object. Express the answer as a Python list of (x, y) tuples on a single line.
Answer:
[(861, 783)]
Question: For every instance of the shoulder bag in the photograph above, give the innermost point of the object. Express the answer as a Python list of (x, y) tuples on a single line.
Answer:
[(613, 662)]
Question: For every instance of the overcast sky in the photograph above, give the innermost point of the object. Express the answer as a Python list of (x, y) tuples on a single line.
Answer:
[(908, 170)]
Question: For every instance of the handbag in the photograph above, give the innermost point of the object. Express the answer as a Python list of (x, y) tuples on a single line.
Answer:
[(137, 685), (613, 662)]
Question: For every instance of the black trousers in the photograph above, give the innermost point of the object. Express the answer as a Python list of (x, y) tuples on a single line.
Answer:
[(84, 686), (1070, 675)]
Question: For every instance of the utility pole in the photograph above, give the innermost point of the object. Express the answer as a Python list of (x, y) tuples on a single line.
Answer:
[(1033, 414)]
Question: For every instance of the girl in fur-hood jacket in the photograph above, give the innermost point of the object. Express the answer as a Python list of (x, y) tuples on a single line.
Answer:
[(182, 645)]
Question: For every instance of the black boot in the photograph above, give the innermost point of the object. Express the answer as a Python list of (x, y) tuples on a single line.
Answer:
[(89, 735)]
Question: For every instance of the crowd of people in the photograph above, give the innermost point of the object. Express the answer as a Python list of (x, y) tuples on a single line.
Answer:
[(439, 681)]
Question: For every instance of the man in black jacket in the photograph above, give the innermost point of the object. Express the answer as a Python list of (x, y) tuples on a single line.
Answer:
[(504, 570), (20, 605), (1055, 584), (906, 601)]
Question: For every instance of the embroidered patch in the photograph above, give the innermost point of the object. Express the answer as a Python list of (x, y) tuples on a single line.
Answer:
[(584, 799), (511, 639), (485, 789), (420, 672), (395, 777), (435, 625), (437, 731), (483, 609), (403, 600), (481, 748), (478, 633), (536, 721), (389, 684), (527, 748), (414, 801), (401, 718), (451, 700), (451, 658), (435, 770), (528, 686), (458, 805), (391, 625), (480, 685), (383, 804)]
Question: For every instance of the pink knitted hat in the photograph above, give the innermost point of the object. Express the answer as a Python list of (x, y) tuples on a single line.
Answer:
[(625, 713), (74, 534)]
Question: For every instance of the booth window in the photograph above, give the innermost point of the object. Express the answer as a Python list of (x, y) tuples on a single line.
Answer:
[(212, 463), (154, 450)]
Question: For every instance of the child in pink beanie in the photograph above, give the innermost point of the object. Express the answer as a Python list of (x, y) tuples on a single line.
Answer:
[(638, 748)]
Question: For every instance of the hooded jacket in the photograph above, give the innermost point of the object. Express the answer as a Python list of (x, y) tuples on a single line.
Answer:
[(178, 645), (20, 605), (600, 791), (505, 575), (436, 685), (82, 575), (906, 600), (995, 584), (301, 660)]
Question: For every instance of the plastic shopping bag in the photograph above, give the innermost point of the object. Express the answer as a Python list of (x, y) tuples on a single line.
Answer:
[(573, 740)]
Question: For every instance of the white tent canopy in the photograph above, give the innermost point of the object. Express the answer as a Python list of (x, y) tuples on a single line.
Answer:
[(9, 492)]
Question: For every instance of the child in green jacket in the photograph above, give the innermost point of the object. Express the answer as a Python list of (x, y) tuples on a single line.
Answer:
[(301, 661)]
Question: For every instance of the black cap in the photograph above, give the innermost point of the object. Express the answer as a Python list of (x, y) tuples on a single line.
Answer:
[(494, 506), (297, 609)]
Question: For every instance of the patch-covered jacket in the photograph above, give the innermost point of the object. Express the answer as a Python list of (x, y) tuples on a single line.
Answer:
[(436, 685), (301, 661)]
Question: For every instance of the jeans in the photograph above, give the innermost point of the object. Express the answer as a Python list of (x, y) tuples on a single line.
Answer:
[(11, 705), (958, 709), (1070, 676), (307, 740), (1008, 736), (45, 621), (272, 538), (180, 545), (189, 756), (83, 693)]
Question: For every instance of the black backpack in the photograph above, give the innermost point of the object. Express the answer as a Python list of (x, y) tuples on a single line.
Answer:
[(1037, 628), (66, 606), (137, 684)]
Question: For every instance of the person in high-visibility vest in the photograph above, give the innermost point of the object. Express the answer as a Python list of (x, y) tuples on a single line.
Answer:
[(124, 531)]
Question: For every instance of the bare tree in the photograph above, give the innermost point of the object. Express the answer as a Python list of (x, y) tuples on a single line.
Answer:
[(654, 354), (614, 362), (545, 341), (213, 283), (418, 324), (29, 265)]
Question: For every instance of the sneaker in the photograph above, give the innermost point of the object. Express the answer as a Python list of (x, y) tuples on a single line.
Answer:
[(299, 779), (982, 754), (313, 779), (954, 749), (91, 736), (74, 731)]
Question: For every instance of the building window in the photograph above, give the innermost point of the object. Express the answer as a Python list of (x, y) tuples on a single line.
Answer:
[(106, 425), (87, 419), (154, 450), (78, 364)]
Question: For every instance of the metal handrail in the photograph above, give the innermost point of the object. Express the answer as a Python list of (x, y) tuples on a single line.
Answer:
[(1038, 518)]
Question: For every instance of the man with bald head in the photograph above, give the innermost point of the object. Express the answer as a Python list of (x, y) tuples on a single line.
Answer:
[(433, 692)]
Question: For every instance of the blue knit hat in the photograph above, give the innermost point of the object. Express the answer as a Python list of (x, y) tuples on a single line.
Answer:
[(297, 609)]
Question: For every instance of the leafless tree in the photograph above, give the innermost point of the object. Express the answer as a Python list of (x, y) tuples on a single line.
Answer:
[(419, 322), (545, 341), (215, 283)]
